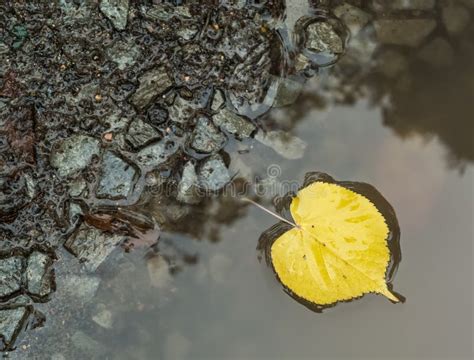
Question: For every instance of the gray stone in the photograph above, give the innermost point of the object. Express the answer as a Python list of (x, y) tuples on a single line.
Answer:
[(116, 11), (74, 154), (188, 185), (39, 274), (152, 84), (285, 144), (10, 275), (77, 187), (74, 210), (206, 137), (92, 246), (438, 53), (182, 110), (165, 12), (455, 18), (30, 185), (140, 133), (157, 153), (218, 100), (302, 62), (187, 33), (213, 174), (409, 32), (117, 177), (20, 300), (353, 17), (233, 123), (11, 323), (4, 48), (115, 122), (287, 92), (321, 37), (124, 54)]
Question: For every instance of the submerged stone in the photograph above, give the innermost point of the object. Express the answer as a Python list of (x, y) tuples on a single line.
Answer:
[(285, 144), (87, 345), (233, 123), (140, 133), (157, 153), (213, 174), (152, 84), (103, 317), (287, 92), (39, 274), (81, 288), (11, 323), (321, 37), (10, 276), (92, 246), (206, 137), (74, 154), (353, 17), (116, 11), (409, 32), (188, 185), (117, 177), (302, 62), (167, 212)]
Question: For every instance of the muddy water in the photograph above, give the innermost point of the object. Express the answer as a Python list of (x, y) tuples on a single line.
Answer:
[(229, 305)]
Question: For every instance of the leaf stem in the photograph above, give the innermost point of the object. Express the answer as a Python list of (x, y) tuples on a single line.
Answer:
[(271, 212)]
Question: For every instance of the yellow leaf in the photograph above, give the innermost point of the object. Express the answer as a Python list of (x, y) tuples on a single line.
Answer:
[(338, 250)]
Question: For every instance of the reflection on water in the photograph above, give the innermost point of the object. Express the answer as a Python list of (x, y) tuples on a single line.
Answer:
[(201, 291), (426, 91)]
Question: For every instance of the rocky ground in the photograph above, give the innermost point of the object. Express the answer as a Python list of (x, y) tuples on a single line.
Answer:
[(107, 104)]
